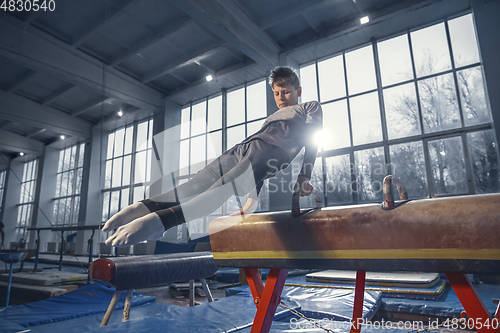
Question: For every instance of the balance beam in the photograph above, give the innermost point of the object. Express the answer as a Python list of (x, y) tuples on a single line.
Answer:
[(129, 273), (455, 235)]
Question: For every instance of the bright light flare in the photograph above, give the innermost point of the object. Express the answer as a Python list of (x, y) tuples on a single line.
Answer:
[(364, 20), (322, 138)]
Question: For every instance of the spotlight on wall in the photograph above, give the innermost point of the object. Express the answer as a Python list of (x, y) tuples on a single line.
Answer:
[(21, 154), (364, 20), (63, 137), (120, 113), (209, 78)]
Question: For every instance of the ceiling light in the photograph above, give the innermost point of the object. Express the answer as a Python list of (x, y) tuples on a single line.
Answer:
[(21, 153), (120, 113), (364, 20), (209, 78), (63, 137)]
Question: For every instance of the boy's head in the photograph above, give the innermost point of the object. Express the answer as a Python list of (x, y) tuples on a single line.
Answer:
[(286, 86)]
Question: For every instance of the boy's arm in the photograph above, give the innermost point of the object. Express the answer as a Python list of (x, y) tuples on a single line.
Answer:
[(251, 203)]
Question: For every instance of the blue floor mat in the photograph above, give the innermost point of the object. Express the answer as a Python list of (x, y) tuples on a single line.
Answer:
[(90, 299), (449, 306)]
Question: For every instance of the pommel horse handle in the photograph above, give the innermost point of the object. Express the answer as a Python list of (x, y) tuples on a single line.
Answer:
[(296, 199)]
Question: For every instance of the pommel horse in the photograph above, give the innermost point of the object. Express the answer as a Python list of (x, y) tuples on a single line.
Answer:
[(454, 235)]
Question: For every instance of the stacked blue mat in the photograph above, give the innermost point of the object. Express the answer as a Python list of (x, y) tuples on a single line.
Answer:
[(88, 300)]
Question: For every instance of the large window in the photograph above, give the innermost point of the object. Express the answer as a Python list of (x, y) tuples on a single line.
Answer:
[(27, 198), (128, 166), (68, 185), (207, 130), (412, 105)]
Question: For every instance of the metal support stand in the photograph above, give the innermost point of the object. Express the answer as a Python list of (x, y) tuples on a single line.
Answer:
[(91, 252), (61, 251), (359, 295), (111, 307), (266, 298), (472, 303), (210, 298), (191, 292), (128, 303), (37, 250), (9, 284)]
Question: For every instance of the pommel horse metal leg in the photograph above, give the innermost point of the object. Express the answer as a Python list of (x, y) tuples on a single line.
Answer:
[(266, 298), (359, 295), (472, 303)]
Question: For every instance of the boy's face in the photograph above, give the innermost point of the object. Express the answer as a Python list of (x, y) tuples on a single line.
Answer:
[(286, 95)]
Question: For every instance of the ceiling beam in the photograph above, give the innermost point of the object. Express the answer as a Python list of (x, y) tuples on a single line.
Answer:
[(103, 21), (16, 143), (24, 111), (5, 125), (90, 106), (230, 23), (24, 78), (184, 61), (164, 33), (293, 11), (219, 76), (35, 132), (34, 49), (57, 94)]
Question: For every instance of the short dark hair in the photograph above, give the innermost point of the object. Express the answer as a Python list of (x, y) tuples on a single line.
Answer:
[(283, 75)]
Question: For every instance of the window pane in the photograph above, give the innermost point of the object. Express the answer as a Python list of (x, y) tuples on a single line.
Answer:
[(331, 78), (139, 193), (185, 122), (111, 142), (76, 210), (263, 199), (127, 163), (360, 70), (81, 155), (336, 125), (317, 183), (254, 126), (107, 175), (338, 179), (105, 206), (256, 101), (365, 117), (370, 173), (58, 185), (148, 165), (184, 158), (235, 135), (308, 83), (150, 133), (142, 136), (114, 204), (484, 160), (408, 164), (124, 199), (61, 159), (463, 41), (395, 60), (66, 163), (448, 166), (197, 153), (430, 50), (214, 145), (140, 167), (199, 118), (73, 157), (215, 113), (119, 137), (71, 175), (129, 134), (401, 111), (64, 184), (236, 106), (438, 99), (79, 181), (472, 96), (117, 172)]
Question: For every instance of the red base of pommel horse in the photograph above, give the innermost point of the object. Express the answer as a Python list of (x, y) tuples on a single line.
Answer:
[(456, 236)]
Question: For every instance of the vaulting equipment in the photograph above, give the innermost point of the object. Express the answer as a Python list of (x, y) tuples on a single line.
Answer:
[(454, 235), (128, 273)]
